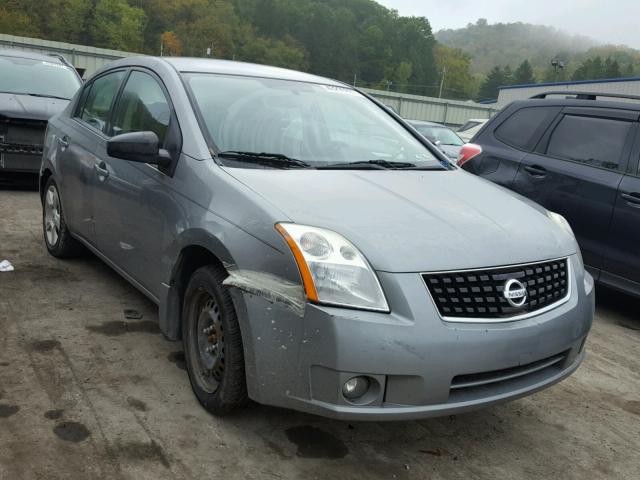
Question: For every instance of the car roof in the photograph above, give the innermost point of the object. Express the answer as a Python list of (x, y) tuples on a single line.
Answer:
[(14, 52), (225, 67), (575, 102)]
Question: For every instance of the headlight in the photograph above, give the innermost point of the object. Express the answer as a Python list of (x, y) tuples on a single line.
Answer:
[(333, 270)]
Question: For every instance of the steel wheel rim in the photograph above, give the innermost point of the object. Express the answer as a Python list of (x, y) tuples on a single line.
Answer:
[(52, 216), (207, 341)]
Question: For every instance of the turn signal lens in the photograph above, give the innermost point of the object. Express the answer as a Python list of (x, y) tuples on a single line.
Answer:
[(467, 152)]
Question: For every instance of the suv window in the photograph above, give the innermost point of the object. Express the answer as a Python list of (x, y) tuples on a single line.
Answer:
[(523, 128), (98, 102), (594, 141), (142, 107)]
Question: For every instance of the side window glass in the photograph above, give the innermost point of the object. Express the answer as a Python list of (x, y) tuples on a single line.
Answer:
[(82, 99), (523, 128), (593, 141), (98, 102), (142, 107)]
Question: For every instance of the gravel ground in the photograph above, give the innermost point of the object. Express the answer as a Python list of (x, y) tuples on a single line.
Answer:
[(87, 393)]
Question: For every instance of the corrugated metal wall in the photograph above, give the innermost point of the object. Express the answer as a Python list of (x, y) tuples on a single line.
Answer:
[(81, 56), (414, 107), (627, 86)]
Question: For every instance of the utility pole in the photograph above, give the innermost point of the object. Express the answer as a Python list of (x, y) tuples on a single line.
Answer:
[(354, 79), (444, 74)]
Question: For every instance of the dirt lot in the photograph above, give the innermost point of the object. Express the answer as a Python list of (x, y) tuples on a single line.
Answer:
[(88, 393)]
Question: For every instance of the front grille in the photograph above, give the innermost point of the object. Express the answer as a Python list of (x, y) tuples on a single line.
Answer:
[(22, 136), (485, 384), (17, 148), (479, 294)]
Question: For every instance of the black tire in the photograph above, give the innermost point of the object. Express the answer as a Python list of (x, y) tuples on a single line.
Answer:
[(59, 244), (218, 378)]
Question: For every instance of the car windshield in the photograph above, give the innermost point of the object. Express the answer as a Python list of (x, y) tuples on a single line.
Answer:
[(321, 125), (37, 77), (440, 134), (469, 125)]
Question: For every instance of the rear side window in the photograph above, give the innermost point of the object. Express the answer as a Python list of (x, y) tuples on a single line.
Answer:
[(95, 111), (594, 141), (523, 128)]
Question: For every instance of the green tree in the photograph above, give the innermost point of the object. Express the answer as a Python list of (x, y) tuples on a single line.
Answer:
[(490, 87), (611, 68), (629, 70), (17, 23), (524, 74), (455, 65), (116, 24)]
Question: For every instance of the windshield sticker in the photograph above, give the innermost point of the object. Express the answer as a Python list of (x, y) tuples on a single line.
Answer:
[(58, 65), (335, 89)]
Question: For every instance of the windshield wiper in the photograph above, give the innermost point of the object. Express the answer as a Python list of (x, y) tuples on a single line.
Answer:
[(369, 164), (42, 95), (276, 160)]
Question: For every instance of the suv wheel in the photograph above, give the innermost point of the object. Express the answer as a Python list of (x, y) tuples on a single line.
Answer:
[(57, 237), (212, 343)]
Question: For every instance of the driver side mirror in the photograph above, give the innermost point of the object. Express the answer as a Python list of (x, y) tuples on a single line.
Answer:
[(143, 147)]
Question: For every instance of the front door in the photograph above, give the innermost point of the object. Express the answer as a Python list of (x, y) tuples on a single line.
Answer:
[(130, 208), (576, 171)]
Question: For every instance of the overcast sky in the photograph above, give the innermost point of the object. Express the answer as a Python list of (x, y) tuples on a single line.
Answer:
[(606, 21)]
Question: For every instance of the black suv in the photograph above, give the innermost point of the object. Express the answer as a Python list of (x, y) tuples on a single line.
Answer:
[(578, 156), (33, 88)]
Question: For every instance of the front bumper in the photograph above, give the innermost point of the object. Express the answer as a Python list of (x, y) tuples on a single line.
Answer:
[(421, 365), (20, 162)]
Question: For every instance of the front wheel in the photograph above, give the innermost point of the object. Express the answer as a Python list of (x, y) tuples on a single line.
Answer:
[(57, 236), (212, 343)]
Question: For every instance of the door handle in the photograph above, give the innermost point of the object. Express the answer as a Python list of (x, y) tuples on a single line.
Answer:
[(632, 198), (101, 169), (535, 171), (63, 141)]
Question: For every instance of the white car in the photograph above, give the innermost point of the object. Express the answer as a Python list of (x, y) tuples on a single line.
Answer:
[(469, 129)]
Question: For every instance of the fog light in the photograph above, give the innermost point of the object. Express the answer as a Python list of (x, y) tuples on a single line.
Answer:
[(355, 387)]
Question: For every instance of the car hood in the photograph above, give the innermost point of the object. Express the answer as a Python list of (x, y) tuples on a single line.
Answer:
[(33, 108), (413, 221), (451, 151)]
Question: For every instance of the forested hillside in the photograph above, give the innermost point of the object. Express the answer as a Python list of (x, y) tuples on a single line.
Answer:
[(337, 38), (511, 43), (351, 40)]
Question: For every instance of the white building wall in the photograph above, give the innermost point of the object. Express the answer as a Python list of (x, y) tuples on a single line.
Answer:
[(80, 56)]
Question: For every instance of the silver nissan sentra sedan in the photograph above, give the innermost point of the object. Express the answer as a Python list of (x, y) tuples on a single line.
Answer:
[(309, 248)]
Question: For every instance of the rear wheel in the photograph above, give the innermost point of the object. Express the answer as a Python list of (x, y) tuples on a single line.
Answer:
[(57, 236), (212, 343)]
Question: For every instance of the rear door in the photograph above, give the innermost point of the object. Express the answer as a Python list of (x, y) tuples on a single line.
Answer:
[(622, 263), (505, 145), (576, 170), (75, 145)]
